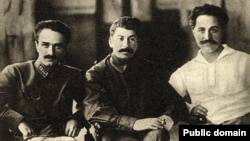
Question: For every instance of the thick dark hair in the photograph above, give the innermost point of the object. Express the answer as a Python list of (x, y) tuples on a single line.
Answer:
[(126, 22), (54, 25), (212, 10)]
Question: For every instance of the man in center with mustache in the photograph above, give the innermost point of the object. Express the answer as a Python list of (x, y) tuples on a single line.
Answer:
[(128, 98)]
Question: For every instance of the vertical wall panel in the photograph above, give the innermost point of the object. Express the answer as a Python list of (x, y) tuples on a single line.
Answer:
[(13, 31), (111, 10), (142, 9), (239, 27), (3, 57), (17, 23), (28, 24), (74, 6)]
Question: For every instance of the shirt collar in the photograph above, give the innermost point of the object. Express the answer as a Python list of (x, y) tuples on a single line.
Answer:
[(226, 51), (41, 69), (116, 65)]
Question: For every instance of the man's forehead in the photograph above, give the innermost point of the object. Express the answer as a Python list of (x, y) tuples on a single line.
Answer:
[(124, 32), (50, 36), (206, 20)]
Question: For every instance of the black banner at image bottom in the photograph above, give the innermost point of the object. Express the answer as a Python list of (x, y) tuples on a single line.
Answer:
[(215, 132)]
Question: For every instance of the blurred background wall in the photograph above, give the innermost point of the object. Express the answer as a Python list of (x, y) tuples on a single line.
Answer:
[(167, 37)]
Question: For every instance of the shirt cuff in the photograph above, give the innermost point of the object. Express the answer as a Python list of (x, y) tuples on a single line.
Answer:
[(126, 123), (13, 119)]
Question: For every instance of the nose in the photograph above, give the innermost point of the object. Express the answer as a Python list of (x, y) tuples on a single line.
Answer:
[(50, 50), (207, 35), (125, 43)]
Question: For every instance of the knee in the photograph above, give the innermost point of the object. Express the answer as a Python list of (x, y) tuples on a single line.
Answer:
[(158, 135)]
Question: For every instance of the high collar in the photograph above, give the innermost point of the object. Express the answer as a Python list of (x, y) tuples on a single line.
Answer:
[(43, 70), (119, 64), (226, 51)]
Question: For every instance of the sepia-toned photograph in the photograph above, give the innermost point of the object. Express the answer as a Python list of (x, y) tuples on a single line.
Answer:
[(123, 70)]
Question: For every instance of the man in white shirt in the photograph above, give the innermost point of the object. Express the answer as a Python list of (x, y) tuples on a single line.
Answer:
[(218, 79)]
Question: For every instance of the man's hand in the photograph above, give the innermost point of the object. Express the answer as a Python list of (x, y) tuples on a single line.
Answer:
[(168, 122), (148, 123), (26, 130), (198, 115), (199, 110), (72, 128)]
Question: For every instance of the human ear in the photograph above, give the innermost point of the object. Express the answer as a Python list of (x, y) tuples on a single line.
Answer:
[(110, 42), (36, 44)]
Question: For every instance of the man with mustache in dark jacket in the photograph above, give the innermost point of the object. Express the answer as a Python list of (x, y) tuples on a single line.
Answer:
[(128, 97), (36, 96)]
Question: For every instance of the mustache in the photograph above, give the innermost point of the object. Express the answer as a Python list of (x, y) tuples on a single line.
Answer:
[(126, 50), (208, 41), (50, 57)]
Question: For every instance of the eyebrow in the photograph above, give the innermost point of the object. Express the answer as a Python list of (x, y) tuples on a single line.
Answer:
[(210, 27), (52, 44), (129, 36), (215, 27)]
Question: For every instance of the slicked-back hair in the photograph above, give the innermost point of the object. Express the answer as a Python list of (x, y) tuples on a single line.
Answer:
[(212, 10), (54, 25), (126, 22)]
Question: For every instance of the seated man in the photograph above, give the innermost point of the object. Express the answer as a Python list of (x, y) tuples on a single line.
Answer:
[(127, 96), (36, 96), (218, 79)]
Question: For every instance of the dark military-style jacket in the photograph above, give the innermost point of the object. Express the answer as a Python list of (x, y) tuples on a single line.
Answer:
[(119, 99), (40, 98)]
